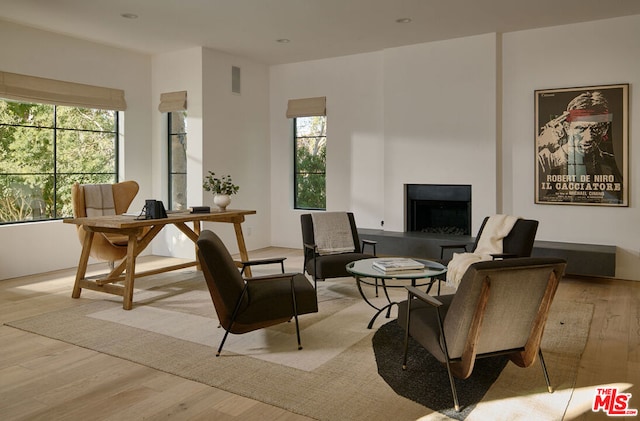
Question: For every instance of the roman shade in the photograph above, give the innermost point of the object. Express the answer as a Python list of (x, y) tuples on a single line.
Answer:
[(307, 107), (173, 101), (49, 91)]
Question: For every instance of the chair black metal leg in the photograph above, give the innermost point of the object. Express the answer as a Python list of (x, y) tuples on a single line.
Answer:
[(406, 332), (544, 371), (456, 404), (295, 312), (434, 280), (224, 338), (233, 319)]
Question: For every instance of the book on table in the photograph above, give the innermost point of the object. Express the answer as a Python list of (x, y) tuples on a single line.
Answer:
[(397, 264)]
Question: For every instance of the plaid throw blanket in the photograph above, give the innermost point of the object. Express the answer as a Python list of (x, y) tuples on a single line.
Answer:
[(332, 232), (98, 200)]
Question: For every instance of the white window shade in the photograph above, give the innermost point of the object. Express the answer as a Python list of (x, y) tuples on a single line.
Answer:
[(307, 107), (173, 101), (49, 91)]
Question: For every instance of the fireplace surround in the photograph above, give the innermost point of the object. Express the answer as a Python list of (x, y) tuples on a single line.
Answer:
[(438, 208)]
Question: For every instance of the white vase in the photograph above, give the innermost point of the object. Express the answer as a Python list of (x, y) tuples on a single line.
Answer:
[(222, 201)]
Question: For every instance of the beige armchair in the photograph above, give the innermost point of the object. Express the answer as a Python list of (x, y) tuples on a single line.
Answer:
[(105, 246), (500, 307)]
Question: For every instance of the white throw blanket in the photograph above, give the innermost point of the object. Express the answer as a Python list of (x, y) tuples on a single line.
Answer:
[(332, 232), (98, 200), (490, 242)]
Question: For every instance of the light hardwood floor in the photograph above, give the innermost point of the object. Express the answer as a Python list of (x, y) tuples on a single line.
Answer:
[(42, 378)]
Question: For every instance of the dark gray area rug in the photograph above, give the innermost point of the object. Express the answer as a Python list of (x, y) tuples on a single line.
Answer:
[(425, 380)]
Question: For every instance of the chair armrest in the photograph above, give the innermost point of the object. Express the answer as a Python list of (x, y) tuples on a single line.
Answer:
[(288, 275), (310, 246), (453, 246), (267, 261), (503, 256), (423, 296), (371, 243), (444, 247)]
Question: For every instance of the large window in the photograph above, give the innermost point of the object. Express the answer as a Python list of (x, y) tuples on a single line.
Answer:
[(177, 160), (310, 157), (44, 149)]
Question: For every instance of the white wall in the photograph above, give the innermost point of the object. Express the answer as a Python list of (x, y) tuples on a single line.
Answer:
[(353, 86), (458, 111), (442, 112), (594, 53), (418, 114), (39, 247)]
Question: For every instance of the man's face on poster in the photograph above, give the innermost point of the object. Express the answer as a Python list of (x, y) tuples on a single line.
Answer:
[(585, 136)]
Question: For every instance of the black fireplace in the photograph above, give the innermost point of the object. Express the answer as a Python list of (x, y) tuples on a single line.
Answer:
[(438, 208)]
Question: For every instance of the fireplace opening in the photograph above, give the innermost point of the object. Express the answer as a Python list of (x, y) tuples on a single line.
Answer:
[(438, 208)]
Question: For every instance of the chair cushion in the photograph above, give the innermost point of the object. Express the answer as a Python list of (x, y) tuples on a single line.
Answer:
[(333, 265), (271, 299)]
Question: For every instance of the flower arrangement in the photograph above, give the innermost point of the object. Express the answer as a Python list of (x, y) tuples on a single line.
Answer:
[(222, 185)]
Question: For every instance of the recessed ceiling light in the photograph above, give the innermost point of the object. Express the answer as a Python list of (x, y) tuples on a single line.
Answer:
[(129, 15), (403, 20), (282, 40)]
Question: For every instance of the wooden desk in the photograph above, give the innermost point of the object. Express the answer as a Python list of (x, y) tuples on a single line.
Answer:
[(140, 233)]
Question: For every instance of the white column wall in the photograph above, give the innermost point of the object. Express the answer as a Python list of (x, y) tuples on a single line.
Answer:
[(177, 71), (440, 122), (235, 141)]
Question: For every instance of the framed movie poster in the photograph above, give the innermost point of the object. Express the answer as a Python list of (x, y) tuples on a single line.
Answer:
[(582, 137)]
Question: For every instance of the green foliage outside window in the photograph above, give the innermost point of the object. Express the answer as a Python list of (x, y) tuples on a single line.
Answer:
[(44, 149), (310, 162)]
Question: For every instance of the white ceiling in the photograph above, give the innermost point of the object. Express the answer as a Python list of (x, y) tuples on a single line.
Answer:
[(316, 28)]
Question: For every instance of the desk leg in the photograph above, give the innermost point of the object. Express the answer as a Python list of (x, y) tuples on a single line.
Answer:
[(242, 247), (127, 299), (82, 265), (197, 230)]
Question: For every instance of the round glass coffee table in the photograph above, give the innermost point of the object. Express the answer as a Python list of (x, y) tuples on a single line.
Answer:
[(365, 269)]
